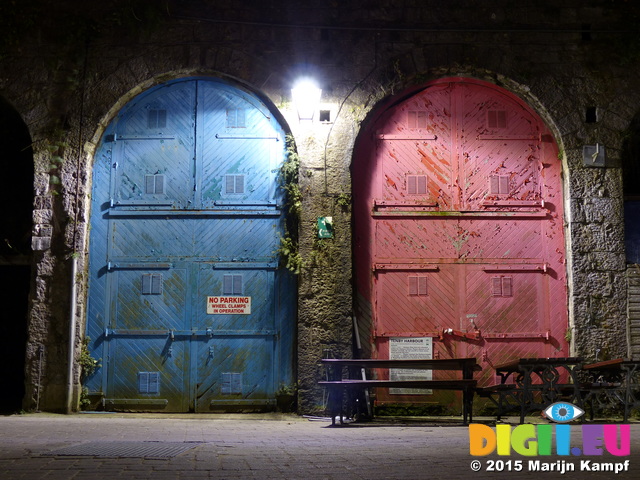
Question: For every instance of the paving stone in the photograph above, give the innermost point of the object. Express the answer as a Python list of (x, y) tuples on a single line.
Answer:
[(250, 447)]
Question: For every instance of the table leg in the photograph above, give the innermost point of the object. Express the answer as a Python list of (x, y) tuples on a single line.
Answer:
[(527, 393), (467, 406)]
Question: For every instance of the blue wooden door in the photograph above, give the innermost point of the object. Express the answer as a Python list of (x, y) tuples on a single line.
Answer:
[(188, 308)]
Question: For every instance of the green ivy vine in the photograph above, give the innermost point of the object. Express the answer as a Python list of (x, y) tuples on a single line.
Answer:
[(88, 365), (289, 249)]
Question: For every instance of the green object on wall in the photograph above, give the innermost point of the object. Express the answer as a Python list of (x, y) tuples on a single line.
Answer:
[(325, 227)]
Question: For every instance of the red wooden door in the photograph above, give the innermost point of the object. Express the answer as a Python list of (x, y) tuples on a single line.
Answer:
[(459, 228)]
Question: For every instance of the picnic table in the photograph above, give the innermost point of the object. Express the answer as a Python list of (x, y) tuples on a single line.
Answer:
[(338, 384), (612, 384), (532, 384)]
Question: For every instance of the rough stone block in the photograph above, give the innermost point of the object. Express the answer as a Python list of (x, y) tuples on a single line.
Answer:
[(42, 216), (576, 210), (598, 210), (42, 202), (606, 261), (40, 243)]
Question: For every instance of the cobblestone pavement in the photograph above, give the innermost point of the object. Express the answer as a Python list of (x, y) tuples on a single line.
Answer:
[(270, 446)]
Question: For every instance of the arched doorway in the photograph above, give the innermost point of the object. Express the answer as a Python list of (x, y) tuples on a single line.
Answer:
[(15, 254), (188, 308), (459, 230)]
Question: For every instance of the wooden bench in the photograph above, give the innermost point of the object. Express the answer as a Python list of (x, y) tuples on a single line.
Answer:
[(337, 385)]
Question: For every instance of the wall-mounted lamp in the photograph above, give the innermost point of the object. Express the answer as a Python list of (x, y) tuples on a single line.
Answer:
[(306, 98)]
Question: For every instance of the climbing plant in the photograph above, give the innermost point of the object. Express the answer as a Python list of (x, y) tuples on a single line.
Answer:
[(289, 250), (87, 363), (289, 180)]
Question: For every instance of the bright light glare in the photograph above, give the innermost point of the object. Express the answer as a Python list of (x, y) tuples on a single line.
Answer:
[(306, 97)]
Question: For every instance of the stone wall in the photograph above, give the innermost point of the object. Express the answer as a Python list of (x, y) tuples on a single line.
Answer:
[(68, 81)]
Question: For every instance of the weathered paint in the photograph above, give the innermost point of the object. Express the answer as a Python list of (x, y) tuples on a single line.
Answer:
[(459, 227), (185, 206)]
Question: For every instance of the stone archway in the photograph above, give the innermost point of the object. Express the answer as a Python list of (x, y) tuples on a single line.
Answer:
[(187, 301), (459, 240)]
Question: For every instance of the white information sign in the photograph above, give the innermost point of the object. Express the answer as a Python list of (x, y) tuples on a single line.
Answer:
[(228, 305), (410, 348)]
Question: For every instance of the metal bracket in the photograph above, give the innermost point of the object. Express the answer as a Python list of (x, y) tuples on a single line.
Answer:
[(457, 333), (594, 155)]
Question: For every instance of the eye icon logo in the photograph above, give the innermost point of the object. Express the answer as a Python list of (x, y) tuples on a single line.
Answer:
[(562, 412)]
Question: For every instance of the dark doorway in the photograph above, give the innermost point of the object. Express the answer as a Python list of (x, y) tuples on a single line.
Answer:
[(631, 171), (14, 284), (16, 204)]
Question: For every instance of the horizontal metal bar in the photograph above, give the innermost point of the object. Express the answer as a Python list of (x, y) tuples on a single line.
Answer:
[(459, 214), (194, 213), (519, 335), (237, 333), (245, 137), (135, 401), (232, 203), (138, 266), (188, 333), (513, 203), (244, 266), (516, 268), (509, 137), (243, 401), (485, 261), (405, 266), (110, 332), (140, 203), (389, 136), (168, 262), (407, 334), (143, 137), (398, 203), (481, 335)]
